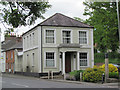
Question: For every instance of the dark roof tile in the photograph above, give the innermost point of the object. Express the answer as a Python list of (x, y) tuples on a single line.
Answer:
[(62, 20)]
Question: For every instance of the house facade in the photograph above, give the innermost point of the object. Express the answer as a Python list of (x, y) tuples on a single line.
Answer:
[(58, 44), (9, 47)]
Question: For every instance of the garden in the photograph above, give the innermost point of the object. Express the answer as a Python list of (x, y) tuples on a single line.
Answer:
[(94, 74)]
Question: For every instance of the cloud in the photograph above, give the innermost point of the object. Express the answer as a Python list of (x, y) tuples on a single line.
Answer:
[(71, 8)]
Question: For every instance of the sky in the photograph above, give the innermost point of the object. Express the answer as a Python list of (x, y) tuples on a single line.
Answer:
[(71, 8)]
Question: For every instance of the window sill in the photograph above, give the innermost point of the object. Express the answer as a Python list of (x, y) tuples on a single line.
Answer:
[(50, 68), (84, 66)]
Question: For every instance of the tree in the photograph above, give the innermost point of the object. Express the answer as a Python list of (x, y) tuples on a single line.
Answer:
[(79, 19), (103, 16), (17, 14)]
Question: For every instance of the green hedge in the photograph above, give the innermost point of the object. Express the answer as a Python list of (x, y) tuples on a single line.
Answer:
[(76, 73), (113, 75), (92, 75)]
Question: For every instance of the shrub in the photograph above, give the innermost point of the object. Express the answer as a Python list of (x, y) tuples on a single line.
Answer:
[(92, 75), (113, 75), (76, 74), (112, 68)]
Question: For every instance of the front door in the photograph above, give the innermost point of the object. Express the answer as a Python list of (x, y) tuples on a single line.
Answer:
[(67, 62)]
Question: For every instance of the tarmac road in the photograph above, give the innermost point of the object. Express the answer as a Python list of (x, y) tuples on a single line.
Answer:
[(29, 82)]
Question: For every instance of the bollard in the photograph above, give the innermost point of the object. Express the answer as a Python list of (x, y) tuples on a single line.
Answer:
[(51, 75), (103, 78), (64, 77), (48, 75), (81, 76)]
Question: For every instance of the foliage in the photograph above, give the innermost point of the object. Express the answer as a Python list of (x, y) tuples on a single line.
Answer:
[(79, 19), (112, 68), (103, 16), (22, 13), (113, 57), (113, 75), (76, 73), (92, 74)]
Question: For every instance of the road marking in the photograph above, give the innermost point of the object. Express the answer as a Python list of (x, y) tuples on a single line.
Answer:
[(19, 85)]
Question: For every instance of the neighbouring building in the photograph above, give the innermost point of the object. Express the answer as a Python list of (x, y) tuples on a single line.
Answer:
[(58, 44), (11, 48)]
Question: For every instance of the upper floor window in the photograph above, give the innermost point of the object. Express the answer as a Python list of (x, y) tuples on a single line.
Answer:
[(11, 55), (83, 59), (82, 37), (33, 37), (50, 60), (7, 56), (30, 39), (66, 36), (27, 45), (33, 58), (50, 36), (24, 43)]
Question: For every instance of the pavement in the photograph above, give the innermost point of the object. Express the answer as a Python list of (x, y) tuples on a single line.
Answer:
[(19, 81)]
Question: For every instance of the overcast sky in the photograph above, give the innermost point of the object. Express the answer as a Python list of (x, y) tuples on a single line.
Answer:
[(71, 8)]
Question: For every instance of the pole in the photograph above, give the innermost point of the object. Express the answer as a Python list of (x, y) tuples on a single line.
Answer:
[(106, 68), (117, 4)]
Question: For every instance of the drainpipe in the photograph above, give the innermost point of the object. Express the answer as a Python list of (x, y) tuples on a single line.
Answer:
[(41, 52)]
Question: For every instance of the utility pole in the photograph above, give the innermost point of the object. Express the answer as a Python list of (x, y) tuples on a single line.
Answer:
[(106, 68), (117, 4)]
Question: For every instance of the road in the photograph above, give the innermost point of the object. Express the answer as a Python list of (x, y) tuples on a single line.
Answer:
[(28, 82)]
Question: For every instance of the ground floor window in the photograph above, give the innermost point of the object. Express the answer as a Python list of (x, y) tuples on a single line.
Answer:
[(83, 59), (50, 60)]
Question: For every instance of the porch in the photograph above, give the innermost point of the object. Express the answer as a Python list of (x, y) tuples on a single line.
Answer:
[(69, 61)]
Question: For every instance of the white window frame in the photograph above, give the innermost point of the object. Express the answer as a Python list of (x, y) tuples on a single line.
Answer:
[(86, 35), (33, 59), (54, 59), (87, 59), (71, 41), (54, 36)]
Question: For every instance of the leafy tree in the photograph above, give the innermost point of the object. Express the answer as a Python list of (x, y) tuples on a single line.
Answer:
[(79, 19), (17, 14), (103, 16)]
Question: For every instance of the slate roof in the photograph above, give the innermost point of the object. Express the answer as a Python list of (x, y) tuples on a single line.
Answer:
[(11, 44), (18, 45), (7, 44), (62, 20)]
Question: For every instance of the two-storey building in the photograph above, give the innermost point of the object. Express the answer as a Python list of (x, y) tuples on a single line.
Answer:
[(58, 44), (11, 47)]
